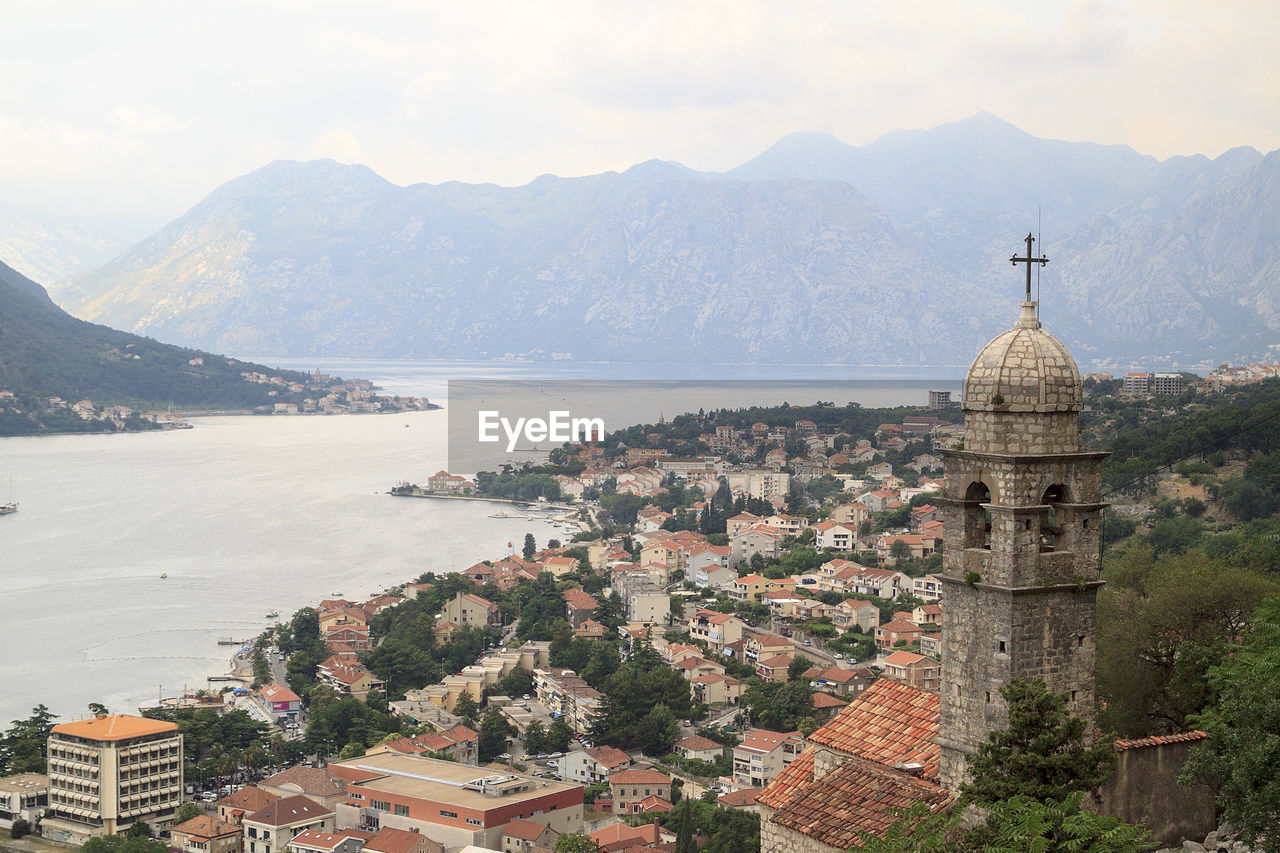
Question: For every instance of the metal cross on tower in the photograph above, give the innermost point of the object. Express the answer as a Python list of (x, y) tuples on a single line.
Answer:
[(1028, 260)]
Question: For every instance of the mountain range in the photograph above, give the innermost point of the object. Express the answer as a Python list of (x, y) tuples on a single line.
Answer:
[(896, 252)]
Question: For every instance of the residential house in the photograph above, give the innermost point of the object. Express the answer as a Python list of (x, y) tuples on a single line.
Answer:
[(743, 798), (916, 670), (247, 800), (928, 587), (927, 614), (897, 633), (205, 834), (590, 629), (757, 539), (469, 609), (579, 606), (459, 743), (701, 748), (759, 647), (856, 614), (763, 754), (921, 546), (826, 706), (315, 783), (525, 836), (717, 689), (271, 829), (775, 667), (592, 766), (833, 534), (640, 790), (338, 841), (740, 522), (715, 629), (347, 676), (842, 682), (883, 583)]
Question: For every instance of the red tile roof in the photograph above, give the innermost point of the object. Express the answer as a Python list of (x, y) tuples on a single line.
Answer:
[(858, 795), (525, 830), (739, 799), (889, 723), (206, 826), (698, 743), (389, 840), (249, 798), (288, 811), (826, 700), (639, 776), (310, 780), (609, 756), (1180, 737)]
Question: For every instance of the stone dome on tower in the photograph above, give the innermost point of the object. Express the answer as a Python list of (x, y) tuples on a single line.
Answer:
[(1025, 369)]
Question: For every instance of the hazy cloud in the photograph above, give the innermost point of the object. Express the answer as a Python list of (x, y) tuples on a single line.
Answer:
[(148, 106)]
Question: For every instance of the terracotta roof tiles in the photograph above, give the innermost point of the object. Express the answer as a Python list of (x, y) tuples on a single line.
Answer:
[(856, 796), (889, 723)]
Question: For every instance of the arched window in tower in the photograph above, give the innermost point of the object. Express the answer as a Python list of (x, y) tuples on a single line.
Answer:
[(977, 518), (1050, 523)]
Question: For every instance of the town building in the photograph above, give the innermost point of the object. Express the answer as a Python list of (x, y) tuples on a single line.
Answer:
[(764, 754), (916, 670), (23, 796), (107, 773), (271, 829), (468, 609), (338, 841), (451, 803), (205, 834), (639, 790), (592, 766)]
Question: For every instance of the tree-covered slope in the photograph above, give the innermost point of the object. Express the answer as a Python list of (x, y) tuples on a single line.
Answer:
[(45, 352)]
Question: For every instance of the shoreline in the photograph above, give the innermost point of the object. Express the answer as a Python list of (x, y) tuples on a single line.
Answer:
[(214, 413)]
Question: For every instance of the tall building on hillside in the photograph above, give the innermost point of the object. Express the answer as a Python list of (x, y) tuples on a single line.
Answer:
[(1022, 513), (107, 773)]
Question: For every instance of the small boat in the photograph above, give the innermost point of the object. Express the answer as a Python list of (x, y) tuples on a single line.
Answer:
[(11, 506), (274, 614), (164, 575)]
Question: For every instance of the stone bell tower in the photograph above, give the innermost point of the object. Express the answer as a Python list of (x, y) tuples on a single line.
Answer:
[(1021, 514)]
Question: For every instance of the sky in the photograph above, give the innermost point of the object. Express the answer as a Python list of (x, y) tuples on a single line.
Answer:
[(142, 108)]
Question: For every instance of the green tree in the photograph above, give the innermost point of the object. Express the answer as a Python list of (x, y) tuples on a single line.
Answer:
[(1022, 823), (575, 842), (140, 829), (657, 732), (467, 709), (22, 749), (186, 812), (558, 736), (530, 547), (97, 709), (1042, 755), (494, 731), (1242, 752), (123, 844), (798, 666), (535, 739), (21, 827)]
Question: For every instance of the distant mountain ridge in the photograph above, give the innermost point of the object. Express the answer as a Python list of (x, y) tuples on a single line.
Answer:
[(44, 352), (815, 251)]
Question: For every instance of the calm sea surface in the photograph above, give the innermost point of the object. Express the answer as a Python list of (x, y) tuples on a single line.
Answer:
[(245, 515)]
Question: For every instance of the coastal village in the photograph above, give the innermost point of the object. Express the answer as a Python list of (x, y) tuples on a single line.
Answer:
[(801, 598), (283, 393)]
